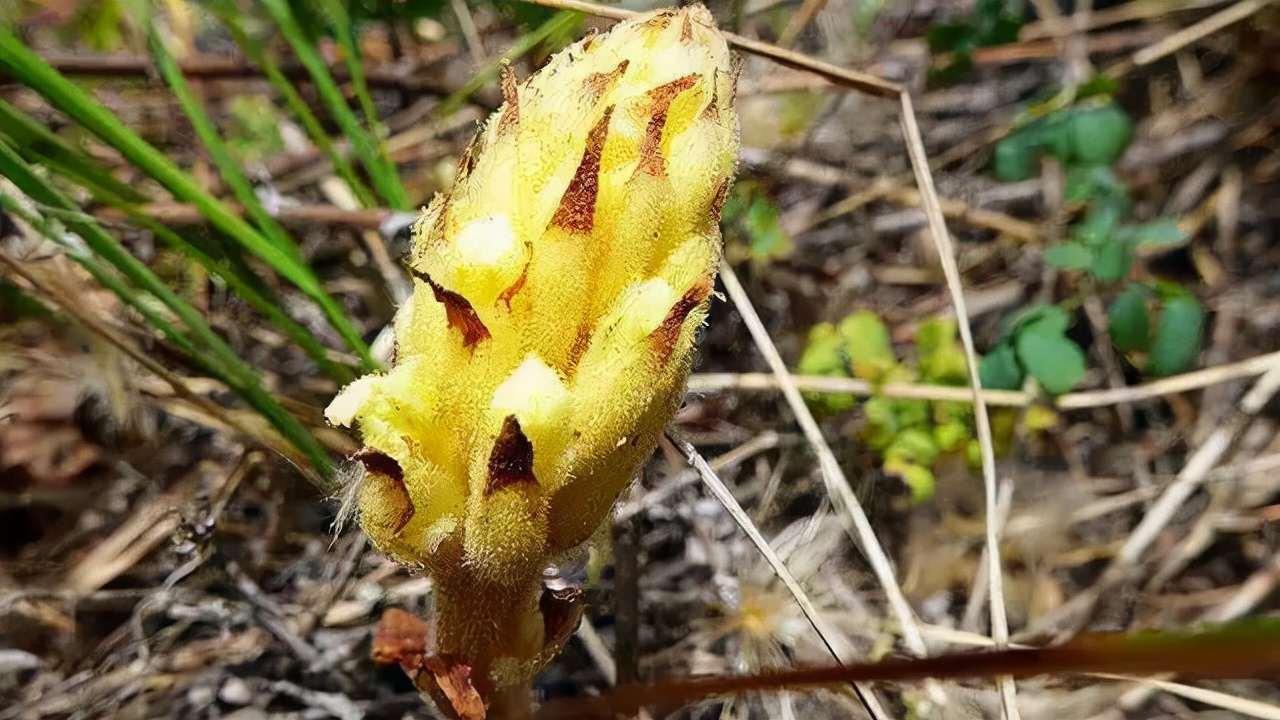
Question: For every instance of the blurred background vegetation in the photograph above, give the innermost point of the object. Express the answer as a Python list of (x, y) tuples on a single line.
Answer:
[(203, 206)]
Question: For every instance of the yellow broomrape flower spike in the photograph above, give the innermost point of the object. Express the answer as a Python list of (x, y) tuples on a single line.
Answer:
[(558, 287)]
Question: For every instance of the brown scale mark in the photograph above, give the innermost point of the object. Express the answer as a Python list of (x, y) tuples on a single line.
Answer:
[(660, 98), (458, 312), (467, 161), (436, 231), (712, 110), (515, 287), (581, 341), (577, 211), (561, 613), (597, 84), (511, 461), (686, 29), (717, 203), (383, 469), (509, 122), (665, 336)]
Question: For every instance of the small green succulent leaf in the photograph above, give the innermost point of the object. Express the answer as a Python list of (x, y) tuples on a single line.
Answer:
[(941, 358), (1053, 135), (1053, 315), (824, 355), (919, 478), (1016, 158), (1105, 214), (1157, 234), (952, 435), (751, 214), (999, 369), (1113, 261), (1050, 356), (1083, 182), (867, 345), (1069, 256), (1098, 86), (1099, 136), (915, 445), (1179, 332), (1128, 321)]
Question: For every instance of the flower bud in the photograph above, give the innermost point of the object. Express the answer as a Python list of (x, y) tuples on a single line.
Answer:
[(558, 288)]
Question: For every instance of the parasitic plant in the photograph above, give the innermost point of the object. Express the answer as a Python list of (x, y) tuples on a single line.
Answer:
[(558, 288)]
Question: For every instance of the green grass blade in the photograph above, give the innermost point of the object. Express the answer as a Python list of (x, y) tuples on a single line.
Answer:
[(232, 174), (75, 249), (100, 243), (28, 135), (204, 347), (382, 171), (336, 10), (255, 50), (35, 141), (561, 23), (19, 62), (256, 397), (240, 279)]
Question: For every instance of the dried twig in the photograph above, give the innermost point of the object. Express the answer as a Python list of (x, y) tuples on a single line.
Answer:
[(1196, 469), (947, 254), (826, 633), (1194, 33), (1187, 382), (833, 475), (1075, 612)]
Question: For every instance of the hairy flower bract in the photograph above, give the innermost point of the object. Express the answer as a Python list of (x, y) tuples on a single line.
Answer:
[(558, 286)]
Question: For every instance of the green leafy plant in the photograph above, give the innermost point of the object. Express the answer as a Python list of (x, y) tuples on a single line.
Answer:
[(991, 23), (1076, 136), (1034, 343), (910, 436), (749, 214), (1179, 326), (1103, 244)]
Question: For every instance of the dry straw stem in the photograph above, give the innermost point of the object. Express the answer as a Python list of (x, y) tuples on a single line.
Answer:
[(1196, 469), (856, 522), (735, 456), (598, 651), (832, 474), (947, 254), (182, 387), (1052, 27), (1247, 596), (1077, 611), (1187, 382), (739, 515), (1173, 43), (1194, 33)]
